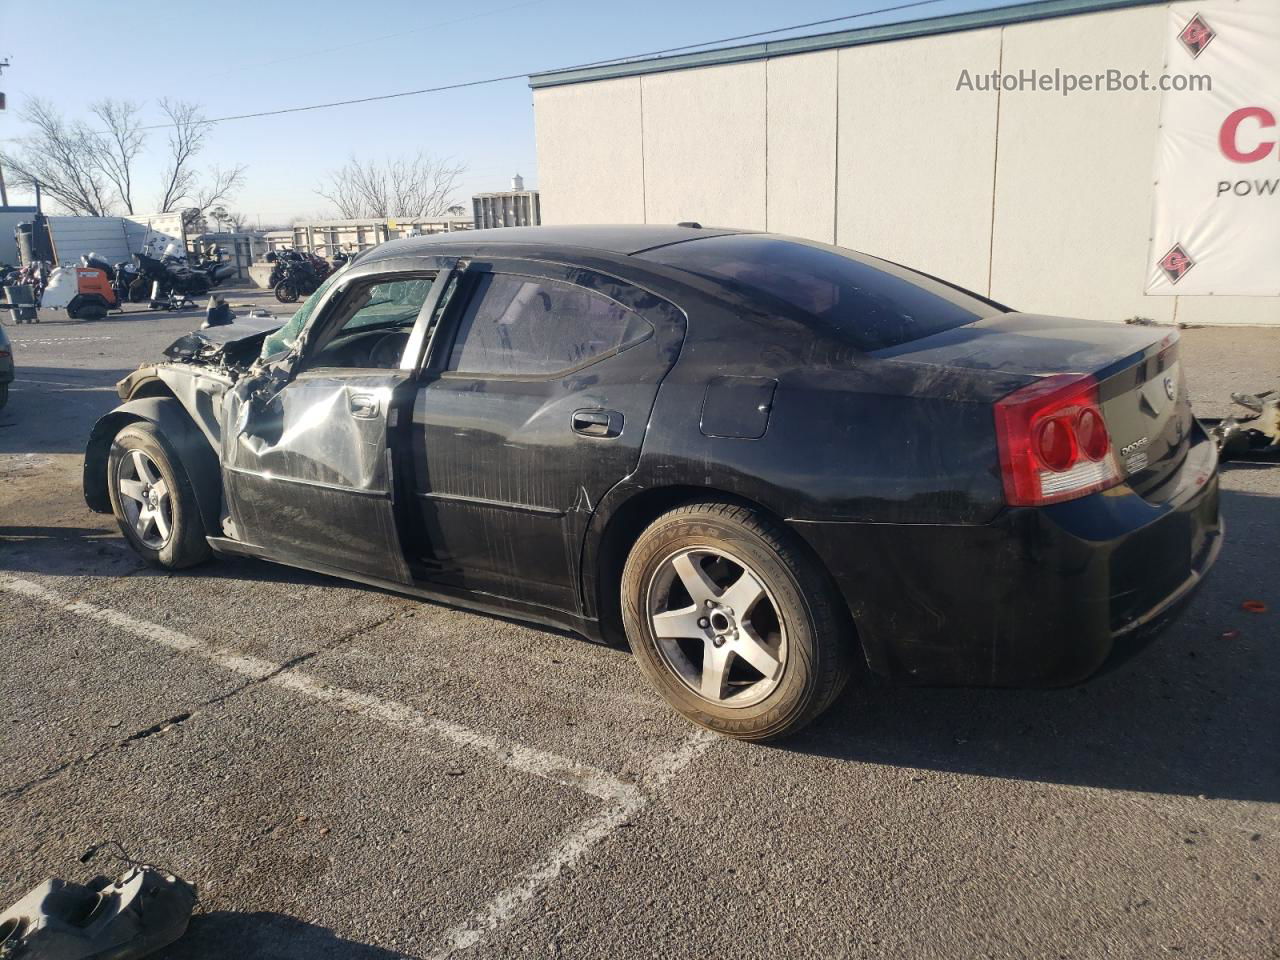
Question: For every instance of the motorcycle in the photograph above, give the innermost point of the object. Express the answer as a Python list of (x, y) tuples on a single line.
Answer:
[(296, 274), (174, 282)]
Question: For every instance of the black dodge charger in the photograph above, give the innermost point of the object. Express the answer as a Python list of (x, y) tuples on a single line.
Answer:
[(765, 459)]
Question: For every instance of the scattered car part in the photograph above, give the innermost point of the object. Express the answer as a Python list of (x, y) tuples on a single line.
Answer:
[(145, 909), (1255, 437)]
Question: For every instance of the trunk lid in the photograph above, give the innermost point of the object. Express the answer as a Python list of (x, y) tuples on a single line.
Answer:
[(1140, 381)]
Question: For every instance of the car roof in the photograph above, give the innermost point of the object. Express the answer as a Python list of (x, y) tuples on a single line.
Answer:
[(624, 239)]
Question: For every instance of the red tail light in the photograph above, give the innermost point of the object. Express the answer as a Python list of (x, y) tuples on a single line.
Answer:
[(1053, 442)]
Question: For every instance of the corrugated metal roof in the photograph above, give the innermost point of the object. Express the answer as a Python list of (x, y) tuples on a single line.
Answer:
[(952, 23)]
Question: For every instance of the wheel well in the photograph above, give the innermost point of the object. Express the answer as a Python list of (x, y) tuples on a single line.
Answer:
[(177, 433), (96, 453), (630, 520), (151, 387), (99, 445)]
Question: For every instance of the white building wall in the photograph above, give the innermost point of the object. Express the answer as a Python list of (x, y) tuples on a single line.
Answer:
[(1074, 180), (1035, 199), (590, 153), (916, 155), (704, 145), (800, 175)]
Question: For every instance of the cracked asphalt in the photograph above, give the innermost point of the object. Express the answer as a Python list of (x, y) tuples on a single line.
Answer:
[(348, 773)]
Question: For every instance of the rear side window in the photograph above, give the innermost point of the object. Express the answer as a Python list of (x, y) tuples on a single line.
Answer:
[(517, 325), (869, 302)]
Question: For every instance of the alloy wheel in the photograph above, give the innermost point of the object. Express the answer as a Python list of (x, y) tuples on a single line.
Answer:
[(145, 499), (717, 626)]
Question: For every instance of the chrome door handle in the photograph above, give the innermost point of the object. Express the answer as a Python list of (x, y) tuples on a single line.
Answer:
[(596, 423), (363, 406)]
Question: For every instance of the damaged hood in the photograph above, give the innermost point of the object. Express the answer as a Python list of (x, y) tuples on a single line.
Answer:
[(240, 338)]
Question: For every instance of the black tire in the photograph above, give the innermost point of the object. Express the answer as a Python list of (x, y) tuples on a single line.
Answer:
[(819, 645), (185, 544), (286, 292)]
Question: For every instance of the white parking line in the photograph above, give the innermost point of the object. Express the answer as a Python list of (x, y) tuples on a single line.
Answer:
[(549, 766), (51, 341), (66, 385), (510, 902), (623, 800)]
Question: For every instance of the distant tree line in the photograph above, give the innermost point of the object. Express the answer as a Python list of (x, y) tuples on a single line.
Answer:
[(87, 166), (416, 186)]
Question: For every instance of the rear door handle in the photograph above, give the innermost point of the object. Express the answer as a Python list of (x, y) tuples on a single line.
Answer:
[(596, 423), (363, 406)]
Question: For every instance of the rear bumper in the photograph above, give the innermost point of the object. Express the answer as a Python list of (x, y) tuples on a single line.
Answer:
[(1037, 597)]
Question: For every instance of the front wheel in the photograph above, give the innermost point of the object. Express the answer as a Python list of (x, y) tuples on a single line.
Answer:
[(286, 292), (733, 622), (153, 500)]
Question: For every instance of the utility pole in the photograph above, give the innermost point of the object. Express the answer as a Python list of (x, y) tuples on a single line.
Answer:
[(4, 194)]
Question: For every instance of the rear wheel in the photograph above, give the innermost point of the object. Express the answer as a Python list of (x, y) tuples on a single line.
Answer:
[(286, 292), (153, 500), (733, 622)]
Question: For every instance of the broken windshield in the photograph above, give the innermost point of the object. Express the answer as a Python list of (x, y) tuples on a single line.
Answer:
[(286, 338)]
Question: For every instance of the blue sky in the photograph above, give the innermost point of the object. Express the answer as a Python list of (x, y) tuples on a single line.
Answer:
[(237, 57)]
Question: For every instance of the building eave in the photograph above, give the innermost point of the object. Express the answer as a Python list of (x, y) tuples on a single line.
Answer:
[(881, 33)]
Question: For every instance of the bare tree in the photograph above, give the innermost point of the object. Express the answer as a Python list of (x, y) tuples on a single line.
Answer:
[(118, 145), (222, 182), (64, 158), (187, 131), (183, 186), (239, 222), (417, 186)]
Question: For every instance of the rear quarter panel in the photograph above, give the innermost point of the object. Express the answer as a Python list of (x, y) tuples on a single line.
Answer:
[(848, 437)]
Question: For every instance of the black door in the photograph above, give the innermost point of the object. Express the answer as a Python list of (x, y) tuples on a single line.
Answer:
[(307, 464), (535, 404)]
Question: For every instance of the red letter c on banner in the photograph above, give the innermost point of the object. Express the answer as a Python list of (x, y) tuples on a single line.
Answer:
[(1227, 135)]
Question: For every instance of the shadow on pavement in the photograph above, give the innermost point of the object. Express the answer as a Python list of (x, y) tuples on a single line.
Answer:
[(1192, 714), (228, 933)]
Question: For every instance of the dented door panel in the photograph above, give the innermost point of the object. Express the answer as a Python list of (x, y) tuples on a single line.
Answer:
[(506, 471), (307, 471)]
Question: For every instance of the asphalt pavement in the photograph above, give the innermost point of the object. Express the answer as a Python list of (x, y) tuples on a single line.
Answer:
[(345, 772)]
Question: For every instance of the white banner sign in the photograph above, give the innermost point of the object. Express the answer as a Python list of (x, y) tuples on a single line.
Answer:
[(1216, 222)]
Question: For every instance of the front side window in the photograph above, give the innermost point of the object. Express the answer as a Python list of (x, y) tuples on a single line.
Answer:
[(517, 325), (370, 324), (869, 302)]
